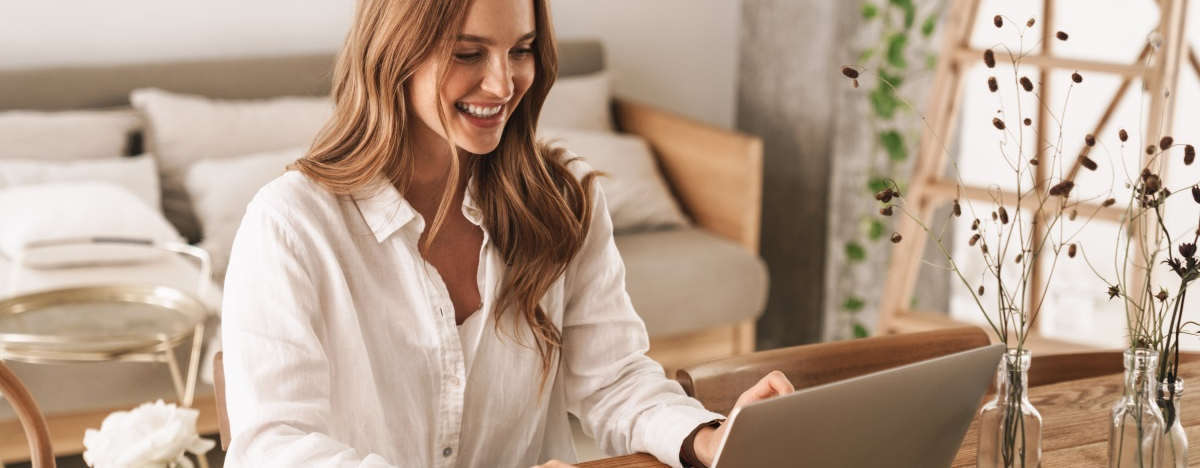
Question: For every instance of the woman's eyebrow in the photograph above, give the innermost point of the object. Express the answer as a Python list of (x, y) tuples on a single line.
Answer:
[(487, 41)]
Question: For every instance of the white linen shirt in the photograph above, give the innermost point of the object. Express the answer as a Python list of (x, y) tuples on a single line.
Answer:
[(341, 348)]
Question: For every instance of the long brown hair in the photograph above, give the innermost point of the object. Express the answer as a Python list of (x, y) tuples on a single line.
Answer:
[(535, 210)]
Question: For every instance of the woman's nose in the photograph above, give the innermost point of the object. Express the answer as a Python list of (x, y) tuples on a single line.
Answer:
[(498, 79)]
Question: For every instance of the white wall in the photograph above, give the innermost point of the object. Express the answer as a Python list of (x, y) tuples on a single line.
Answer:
[(678, 54)]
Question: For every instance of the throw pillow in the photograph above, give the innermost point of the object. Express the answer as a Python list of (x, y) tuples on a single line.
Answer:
[(579, 102), (61, 211), (183, 129), (638, 197), (138, 175), (220, 189), (63, 135)]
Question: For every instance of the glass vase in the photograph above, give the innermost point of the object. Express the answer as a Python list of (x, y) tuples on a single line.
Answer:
[(1010, 428), (1173, 445), (1136, 425)]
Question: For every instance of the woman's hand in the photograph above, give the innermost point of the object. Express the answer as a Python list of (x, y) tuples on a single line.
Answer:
[(708, 439), (555, 464)]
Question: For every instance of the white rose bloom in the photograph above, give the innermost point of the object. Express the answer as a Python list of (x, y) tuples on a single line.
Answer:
[(153, 435)]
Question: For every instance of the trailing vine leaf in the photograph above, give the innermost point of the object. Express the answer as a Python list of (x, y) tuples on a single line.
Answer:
[(866, 55), (854, 304), (895, 80), (855, 251), (928, 25), (876, 230), (860, 331), (910, 12), (893, 142), (869, 11), (884, 102), (876, 184), (897, 45)]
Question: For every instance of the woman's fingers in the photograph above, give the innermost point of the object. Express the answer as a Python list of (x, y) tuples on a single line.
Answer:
[(772, 385)]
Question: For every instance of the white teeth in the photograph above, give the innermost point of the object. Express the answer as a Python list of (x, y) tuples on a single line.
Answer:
[(477, 111)]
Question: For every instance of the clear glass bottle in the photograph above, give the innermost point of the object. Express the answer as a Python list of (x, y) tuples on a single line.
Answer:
[(1010, 428), (1136, 425), (1174, 443)]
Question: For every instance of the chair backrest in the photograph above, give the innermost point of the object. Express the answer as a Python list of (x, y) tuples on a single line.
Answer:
[(1054, 368), (718, 384), (219, 389), (41, 454)]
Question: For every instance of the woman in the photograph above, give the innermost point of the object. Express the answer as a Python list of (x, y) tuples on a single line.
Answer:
[(430, 286)]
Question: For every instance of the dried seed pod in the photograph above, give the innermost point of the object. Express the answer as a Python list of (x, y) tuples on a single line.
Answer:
[(1019, 257), (1062, 36), (983, 248), (1165, 142), (1150, 149), (896, 238), (993, 86), (886, 211), (1076, 77), (896, 191), (1088, 163), (1033, 162), (999, 124), (957, 209), (1196, 193), (1029, 24), (1027, 84), (1071, 216), (998, 21), (975, 224), (1187, 249), (1113, 291), (1123, 135), (854, 83), (1161, 296), (850, 72), (1189, 154), (1108, 203), (884, 195), (980, 290), (1089, 140), (1062, 189), (1152, 184), (1028, 121), (974, 240), (995, 216), (1071, 251), (1003, 215), (989, 58)]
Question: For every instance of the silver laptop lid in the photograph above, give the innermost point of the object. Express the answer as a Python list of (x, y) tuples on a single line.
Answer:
[(910, 416)]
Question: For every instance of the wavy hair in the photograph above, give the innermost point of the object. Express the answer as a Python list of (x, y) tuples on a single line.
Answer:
[(535, 210)]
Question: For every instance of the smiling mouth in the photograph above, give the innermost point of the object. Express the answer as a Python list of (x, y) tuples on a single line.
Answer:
[(479, 112)]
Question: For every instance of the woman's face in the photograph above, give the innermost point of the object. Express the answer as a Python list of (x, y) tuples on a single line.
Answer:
[(492, 66)]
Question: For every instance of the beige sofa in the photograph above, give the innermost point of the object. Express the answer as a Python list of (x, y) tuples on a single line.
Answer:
[(699, 289)]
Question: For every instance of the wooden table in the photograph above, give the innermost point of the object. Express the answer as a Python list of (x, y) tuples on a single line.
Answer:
[(1074, 424)]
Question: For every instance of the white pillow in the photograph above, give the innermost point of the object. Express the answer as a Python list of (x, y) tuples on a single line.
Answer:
[(136, 174), (183, 129), (579, 102), (220, 189), (65, 135), (638, 197), (70, 210)]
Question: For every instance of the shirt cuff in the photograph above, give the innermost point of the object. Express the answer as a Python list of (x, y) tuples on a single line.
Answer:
[(664, 433)]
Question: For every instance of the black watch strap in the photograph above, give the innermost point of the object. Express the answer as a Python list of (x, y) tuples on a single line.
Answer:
[(687, 453)]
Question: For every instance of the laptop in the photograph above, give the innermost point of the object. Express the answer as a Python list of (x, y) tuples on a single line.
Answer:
[(910, 416)]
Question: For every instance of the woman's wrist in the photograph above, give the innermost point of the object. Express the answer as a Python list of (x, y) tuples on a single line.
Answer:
[(696, 451)]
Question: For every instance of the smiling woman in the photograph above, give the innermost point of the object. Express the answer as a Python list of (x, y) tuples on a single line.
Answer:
[(431, 285)]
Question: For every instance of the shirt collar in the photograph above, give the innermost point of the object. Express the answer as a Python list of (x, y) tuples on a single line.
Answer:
[(386, 211)]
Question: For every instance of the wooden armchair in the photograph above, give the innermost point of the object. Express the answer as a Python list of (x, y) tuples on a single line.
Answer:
[(30, 415), (718, 384), (1054, 368), (219, 389)]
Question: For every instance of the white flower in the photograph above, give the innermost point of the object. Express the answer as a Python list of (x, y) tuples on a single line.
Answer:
[(153, 435), (1155, 39)]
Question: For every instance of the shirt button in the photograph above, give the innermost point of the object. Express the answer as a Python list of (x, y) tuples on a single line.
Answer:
[(447, 452), (454, 381)]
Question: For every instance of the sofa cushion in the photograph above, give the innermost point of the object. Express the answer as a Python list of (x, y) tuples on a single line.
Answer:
[(683, 280)]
